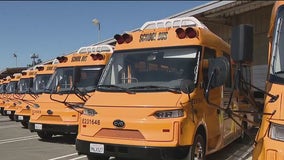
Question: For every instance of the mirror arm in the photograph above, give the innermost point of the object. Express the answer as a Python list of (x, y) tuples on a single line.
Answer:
[(273, 97), (208, 86)]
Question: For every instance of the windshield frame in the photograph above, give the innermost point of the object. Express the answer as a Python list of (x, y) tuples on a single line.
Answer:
[(276, 69), (153, 86), (13, 84), (44, 83), (76, 79), (28, 88)]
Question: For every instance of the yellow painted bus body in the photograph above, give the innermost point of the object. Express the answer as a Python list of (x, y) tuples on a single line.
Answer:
[(160, 123), (39, 76), (57, 110), (4, 95), (269, 139), (11, 102)]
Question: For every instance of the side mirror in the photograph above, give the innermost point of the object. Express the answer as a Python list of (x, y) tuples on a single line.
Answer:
[(242, 43), (186, 86), (218, 70)]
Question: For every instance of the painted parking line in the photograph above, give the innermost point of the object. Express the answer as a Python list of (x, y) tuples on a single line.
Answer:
[(11, 140), (80, 157), (61, 157)]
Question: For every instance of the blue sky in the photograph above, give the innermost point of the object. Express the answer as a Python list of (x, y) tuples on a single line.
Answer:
[(50, 28)]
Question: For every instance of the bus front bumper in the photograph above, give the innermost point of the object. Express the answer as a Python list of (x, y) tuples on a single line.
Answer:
[(55, 129), (132, 152)]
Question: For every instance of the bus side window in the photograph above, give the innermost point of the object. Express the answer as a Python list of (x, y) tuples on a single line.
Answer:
[(228, 83), (208, 54)]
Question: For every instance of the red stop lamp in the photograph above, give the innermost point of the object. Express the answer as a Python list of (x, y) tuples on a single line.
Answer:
[(62, 59), (24, 73), (127, 37), (40, 68), (190, 32), (97, 57), (180, 33), (119, 38)]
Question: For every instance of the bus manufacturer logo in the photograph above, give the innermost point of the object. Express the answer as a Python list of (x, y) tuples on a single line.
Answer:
[(118, 123)]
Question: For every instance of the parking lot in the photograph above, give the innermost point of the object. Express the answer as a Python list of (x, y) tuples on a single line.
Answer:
[(18, 143)]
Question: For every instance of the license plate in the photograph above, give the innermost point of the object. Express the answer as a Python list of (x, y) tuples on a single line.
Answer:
[(8, 112), (38, 126), (97, 148), (20, 118)]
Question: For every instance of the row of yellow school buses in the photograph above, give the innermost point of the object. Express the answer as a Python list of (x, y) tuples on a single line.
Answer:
[(168, 91)]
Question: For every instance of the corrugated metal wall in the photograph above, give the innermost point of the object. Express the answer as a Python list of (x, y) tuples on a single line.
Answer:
[(260, 19)]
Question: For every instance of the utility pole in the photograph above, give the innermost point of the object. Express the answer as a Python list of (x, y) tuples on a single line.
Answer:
[(34, 57)]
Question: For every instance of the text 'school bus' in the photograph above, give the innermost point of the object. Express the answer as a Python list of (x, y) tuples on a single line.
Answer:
[(12, 90), (32, 84), (150, 103), (270, 137), (75, 79), (3, 94)]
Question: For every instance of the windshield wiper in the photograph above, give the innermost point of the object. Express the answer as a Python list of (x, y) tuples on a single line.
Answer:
[(114, 86), (174, 90)]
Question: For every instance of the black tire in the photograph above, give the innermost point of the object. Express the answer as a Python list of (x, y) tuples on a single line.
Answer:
[(197, 150), (44, 135), (25, 124), (2, 112), (11, 117), (97, 157), (244, 138)]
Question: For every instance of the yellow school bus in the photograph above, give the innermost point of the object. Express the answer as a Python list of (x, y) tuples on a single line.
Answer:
[(57, 110), (32, 84), (4, 94), (270, 137), (24, 89), (150, 102), (11, 101)]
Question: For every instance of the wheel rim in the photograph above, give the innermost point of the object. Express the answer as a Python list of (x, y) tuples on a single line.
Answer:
[(198, 151)]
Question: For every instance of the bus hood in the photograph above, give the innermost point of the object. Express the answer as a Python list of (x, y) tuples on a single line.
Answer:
[(152, 99)]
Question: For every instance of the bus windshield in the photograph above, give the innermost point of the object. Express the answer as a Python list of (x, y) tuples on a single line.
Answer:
[(11, 87), (158, 69), (24, 85), (40, 82), (277, 58), (2, 88), (62, 81)]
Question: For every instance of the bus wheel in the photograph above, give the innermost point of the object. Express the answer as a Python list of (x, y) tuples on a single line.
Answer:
[(11, 117), (244, 138), (24, 124), (44, 135), (197, 150), (97, 157)]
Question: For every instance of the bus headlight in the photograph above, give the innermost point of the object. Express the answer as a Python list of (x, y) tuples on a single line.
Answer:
[(169, 114), (89, 112), (276, 132)]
